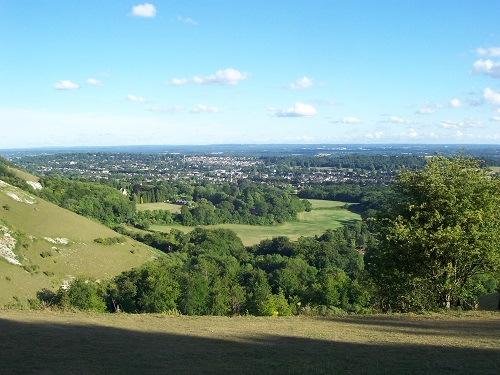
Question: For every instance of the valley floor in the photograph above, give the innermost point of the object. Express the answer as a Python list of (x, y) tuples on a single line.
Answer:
[(82, 343)]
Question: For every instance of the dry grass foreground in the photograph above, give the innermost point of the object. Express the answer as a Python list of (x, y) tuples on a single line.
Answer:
[(48, 342)]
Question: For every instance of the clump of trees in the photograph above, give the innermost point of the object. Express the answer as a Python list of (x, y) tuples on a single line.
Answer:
[(97, 201), (245, 202), (438, 240), (210, 272)]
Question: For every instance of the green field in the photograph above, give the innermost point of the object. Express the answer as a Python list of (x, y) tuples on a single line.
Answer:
[(48, 342), (325, 215), (173, 208)]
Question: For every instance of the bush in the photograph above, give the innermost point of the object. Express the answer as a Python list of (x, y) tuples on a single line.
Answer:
[(82, 294)]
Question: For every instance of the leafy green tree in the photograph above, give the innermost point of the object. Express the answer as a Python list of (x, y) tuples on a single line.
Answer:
[(442, 228), (82, 294)]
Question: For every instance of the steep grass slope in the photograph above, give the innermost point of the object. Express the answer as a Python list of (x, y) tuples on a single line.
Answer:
[(45, 246)]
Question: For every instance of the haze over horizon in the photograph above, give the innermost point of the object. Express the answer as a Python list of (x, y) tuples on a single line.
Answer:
[(92, 73)]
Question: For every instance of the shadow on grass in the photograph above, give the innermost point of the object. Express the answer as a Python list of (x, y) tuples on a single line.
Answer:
[(47, 348), (348, 221)]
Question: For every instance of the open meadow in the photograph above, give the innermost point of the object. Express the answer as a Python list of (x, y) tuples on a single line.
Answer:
[(324, 215), (173, 208), (53, 342)]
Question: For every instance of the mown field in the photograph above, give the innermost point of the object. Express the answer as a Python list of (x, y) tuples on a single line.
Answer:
[(325, 215), (173, 208), (48, 342)]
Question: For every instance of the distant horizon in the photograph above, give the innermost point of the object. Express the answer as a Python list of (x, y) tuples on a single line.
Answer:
[(146, 145)]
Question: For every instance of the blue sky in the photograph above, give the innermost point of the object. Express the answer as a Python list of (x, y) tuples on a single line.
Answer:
[(210, 72)]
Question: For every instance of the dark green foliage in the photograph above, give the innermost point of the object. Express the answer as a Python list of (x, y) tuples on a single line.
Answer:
[(82, 294), (207, 204), (151, 288), (96, 201), (110, 240), (210, 272), (441, 231)]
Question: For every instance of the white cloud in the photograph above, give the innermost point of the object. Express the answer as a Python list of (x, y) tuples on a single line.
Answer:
[(350, 120), (470, 123), (136, 99), (396, 120), (221, 77), (179, 81), (495, 118), (187, 20), (144, 10), (201, 108), (455, 103), (489, 52), (224, 77), (488, 67), (301, 83), (298, 110), (94, 82), (492, 96), (65, 85)]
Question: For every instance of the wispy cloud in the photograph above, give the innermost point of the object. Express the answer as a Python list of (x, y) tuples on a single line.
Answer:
[(350, 120), (298, 110), (301, 83), (94, 82), (488, 52), (136, 99), (187, 20), (65, 85), (470, 123), (201, 108), (396, 120), (226, 77), (144, 10), (455, 103)]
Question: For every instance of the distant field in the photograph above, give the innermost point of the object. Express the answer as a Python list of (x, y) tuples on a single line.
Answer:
[(325, 215), (43, 342), (174, 208)]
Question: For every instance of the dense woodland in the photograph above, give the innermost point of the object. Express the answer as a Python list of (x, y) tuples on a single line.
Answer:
[(210, 272)]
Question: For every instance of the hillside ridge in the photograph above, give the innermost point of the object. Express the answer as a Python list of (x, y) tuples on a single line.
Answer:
[(43, 246)]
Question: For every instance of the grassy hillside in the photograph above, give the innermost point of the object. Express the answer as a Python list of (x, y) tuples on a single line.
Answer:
[(53, 245), (68, 343), (324, 215)]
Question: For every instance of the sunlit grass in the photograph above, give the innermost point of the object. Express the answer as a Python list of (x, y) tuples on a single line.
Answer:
[(173, 208)]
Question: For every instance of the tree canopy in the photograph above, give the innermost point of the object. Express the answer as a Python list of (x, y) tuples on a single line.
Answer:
[(439, 232)]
